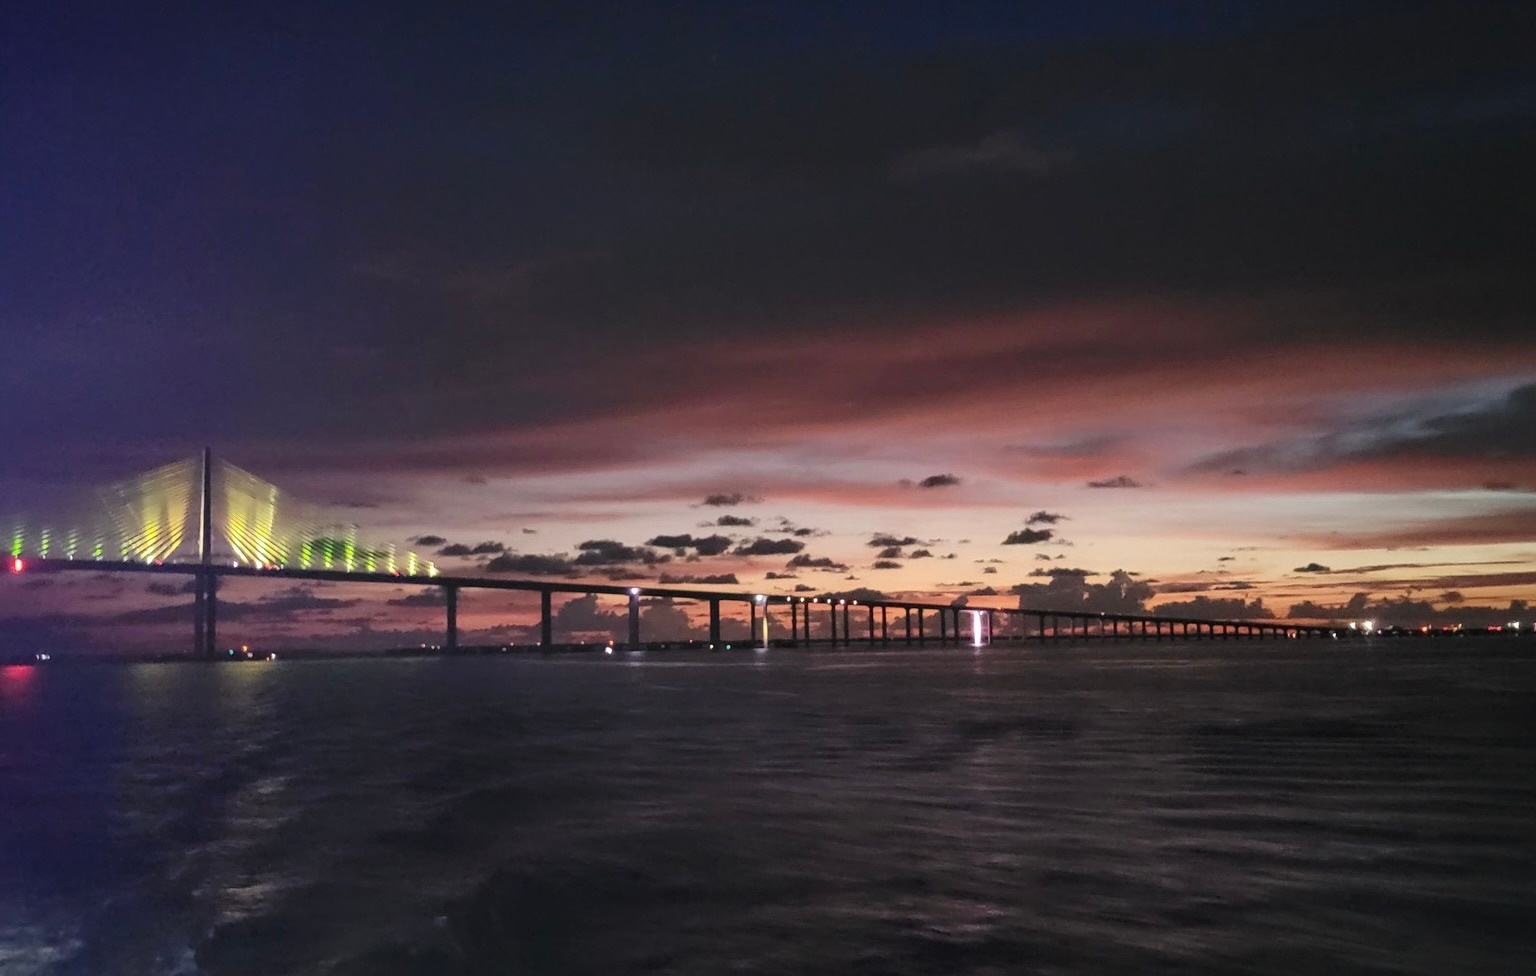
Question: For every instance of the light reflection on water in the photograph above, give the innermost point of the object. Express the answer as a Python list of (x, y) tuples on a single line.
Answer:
[(1240, 808)]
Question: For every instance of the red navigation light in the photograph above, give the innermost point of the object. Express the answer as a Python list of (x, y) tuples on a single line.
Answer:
[(17, 565)]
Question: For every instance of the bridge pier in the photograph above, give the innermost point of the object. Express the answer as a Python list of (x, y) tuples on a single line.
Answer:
[(885, 626), (714, 623), (211, 609), (546, 619), (205, 614), (634, 616), (199, 616), (847, 629), (451, 600)]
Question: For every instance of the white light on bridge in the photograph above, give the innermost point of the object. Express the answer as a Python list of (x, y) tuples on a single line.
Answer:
[(977, 639)]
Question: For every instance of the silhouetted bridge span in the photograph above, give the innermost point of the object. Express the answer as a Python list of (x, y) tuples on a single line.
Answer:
[(258, 533), (848, 622)]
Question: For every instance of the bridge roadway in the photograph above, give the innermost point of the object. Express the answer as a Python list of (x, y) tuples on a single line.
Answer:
[(1019, 624)]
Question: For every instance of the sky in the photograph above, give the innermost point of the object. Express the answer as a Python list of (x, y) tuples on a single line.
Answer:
[(1220, 306)]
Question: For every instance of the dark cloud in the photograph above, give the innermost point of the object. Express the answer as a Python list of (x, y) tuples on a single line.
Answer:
[(862, 594), (682, 541), (454, 549), (1312, 568), (806, 561), (778, 576), (939, 481), (277, 606), (890, 552), (431, 596), (1028, 537), (983, 591), (528, 531), (1501, 429), (1119, 481), (885, 564), (1121, 593), (920, 554), (530, 565), (607, 552), (429, 540), (1407, 611), (729, 500), (712, 545), (1216, 608), (295, 599), (1182, 587), (719, 579), (163, 588), (735, 521), (769, 547), (803, 588), (989, 569), (1062, 572), (884, 541), (1225, 559), (1044, 518)]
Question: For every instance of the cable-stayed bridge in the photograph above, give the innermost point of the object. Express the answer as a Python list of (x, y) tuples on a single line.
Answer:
[(210, 519), (201, 510)]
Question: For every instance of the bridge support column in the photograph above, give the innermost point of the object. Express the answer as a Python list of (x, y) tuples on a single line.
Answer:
[(634, 617), (847, 630), (451, 599), (871, 610), (921, 635), (546, 619), (885, 626), (752, 621), (211, 610), (200, 615), (714, 622), (943, 626), (205, 614)]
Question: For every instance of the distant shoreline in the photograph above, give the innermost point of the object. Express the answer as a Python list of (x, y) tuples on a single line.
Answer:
[(49, 659)]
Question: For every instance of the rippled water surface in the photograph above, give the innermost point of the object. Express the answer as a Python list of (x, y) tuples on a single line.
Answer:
[(1236, 808)]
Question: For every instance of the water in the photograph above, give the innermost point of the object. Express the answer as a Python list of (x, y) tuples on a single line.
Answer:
[(1232, 808)]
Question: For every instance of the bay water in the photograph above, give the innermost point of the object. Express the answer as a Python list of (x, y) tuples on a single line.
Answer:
[(1243, 807)]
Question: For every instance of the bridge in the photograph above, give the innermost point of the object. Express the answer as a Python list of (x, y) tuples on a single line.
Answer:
[(211, 520)]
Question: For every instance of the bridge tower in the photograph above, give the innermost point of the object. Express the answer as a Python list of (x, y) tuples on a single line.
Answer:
[(205, 601)]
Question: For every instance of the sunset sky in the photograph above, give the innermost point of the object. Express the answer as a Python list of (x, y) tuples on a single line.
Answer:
[(944, 299)]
